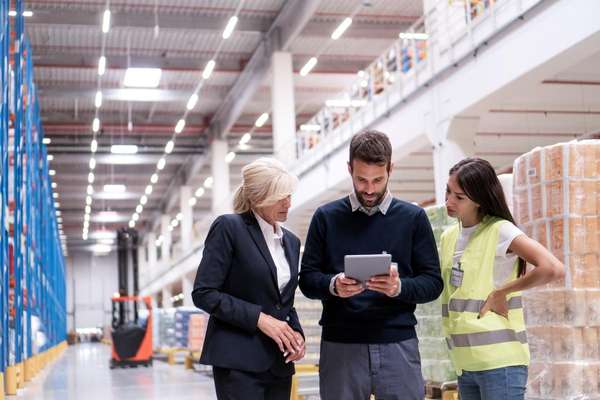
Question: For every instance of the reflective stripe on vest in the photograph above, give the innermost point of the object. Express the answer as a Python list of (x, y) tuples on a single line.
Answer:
[(485, 338), (472, 305)]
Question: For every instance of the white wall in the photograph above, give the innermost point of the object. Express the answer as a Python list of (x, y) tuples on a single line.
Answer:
[(91, 282)]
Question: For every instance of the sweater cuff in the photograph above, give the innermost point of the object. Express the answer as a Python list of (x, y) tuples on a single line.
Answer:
[(332, 284)]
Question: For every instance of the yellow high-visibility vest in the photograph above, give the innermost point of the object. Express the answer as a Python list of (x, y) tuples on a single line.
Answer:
[(492, 341)]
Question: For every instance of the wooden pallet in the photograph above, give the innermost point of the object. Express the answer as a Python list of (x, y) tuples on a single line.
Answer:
[(441, 390)]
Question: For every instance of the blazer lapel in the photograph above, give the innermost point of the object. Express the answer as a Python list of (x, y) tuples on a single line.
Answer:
[(259, 240), (292, 258)]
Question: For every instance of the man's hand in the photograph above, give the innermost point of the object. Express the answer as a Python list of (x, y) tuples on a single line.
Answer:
[(496, 302), (285, 337), (298, 355), (386, 284), (347, 287)]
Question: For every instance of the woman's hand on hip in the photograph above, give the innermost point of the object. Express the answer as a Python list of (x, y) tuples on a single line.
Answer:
[(281, 333), (496, 302)]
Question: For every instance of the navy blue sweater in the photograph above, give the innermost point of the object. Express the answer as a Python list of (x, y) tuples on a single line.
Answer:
[(370, 317)]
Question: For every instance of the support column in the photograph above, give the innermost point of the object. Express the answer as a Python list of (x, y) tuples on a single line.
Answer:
[(165, 222), (187, 285), (453, 140), (283, 106), (142, 264), (166, 297), (185, 194), (221, 189)]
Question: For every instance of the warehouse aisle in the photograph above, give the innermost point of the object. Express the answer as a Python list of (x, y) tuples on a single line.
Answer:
[(83, 373)]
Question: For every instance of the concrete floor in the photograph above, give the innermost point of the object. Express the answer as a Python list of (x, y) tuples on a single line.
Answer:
[(82, 373)]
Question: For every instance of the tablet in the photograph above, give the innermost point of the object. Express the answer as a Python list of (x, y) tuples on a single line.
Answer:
[(363, 266)]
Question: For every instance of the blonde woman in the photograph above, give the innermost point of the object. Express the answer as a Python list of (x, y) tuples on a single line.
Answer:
[(246, 282)]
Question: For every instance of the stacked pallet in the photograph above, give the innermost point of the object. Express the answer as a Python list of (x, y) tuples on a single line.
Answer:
[(182, 325), (197, 331), (557, 202)]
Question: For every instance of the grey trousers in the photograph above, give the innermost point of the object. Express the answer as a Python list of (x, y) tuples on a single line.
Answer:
[(390, 371)]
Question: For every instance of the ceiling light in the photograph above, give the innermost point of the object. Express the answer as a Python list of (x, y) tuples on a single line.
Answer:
[(98, 99), (46, 140), (154, 178), (108, 216), (94, 146), (114, 188), (129, 126), (106, 21), (123, 149), (192, 101), (101, 65), (131, 224), (12, 13), (170, 228), (246, 138), (88, 200), (90, 190), (144, 200), (92, 163), (142, 77), (139, 209), (208, 69), (361, 73), (180, 125), (179, 216), (54, 185), (56, 204), (169, 147), (88, 209), (135, 217), (58, 213), (174, 223), (310, 127), (50, 157), (199, 192), (91, 177), (84, 236), (161, 164), (55, 195), (27, 13), (59, 219), (192, 202), (86, 217), (413, 36), (260, 121), (339, 31), (310, 64), (52, 172), (96, 125), (208, 182), (148, 190), (230, 27), (229, 157)]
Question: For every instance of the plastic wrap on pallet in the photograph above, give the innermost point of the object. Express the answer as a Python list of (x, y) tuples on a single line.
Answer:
[(435, 362), (556, 197)]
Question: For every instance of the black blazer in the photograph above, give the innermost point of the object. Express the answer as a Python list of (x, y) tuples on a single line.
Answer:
[(235, 281)]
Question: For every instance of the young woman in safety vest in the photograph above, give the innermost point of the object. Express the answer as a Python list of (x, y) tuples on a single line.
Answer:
[(483, 261)]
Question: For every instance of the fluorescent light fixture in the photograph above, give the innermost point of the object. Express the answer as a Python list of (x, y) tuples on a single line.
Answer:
[(139, 209), (169, 147), (56, 204), (310, 64), (58, 213), (179, 216), (101, 65), (142, 77), (50, 157), (144, 200), (92, 163), (192, 202), (86, 218), (55, 195), (159, 241), (180, 125), (98, 99), (46, 140), (59, 219), (88, 200), (229, 157), (199, 192), (131, 224), (90, 190), (96, 124), (413, 36), (208, 69), (12, 13), (208, 182), (54, 185), (364, 83), (310, 127), (230, 27), (107, 216), (361, 73), (106, 21), (84, 236), (114, 188), (123, 149), (28, 13), (94, 146), (260, 121), (161, 164), (339, 31), (148, 190), (170, 228), (91, 177), (154, 178), (246, 138), (174, 223), (129, 126), (135, 217), (88, 209), (192, 101), (52, 172)]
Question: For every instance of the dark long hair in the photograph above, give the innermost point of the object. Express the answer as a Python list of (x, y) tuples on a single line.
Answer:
[(477, 178)]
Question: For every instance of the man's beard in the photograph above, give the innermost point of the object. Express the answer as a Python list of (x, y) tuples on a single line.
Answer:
[(376, 199)]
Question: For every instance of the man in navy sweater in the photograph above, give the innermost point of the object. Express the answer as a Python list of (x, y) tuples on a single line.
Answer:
[(369, 345)]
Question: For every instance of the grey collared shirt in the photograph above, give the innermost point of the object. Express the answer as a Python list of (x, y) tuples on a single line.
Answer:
[(381, 207)]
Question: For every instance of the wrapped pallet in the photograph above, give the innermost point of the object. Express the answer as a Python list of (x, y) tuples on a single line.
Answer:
[(556, 201), (197, 331), (435, 363), (182, 320)]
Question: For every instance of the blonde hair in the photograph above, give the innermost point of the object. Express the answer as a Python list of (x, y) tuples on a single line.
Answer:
[(265, 181)]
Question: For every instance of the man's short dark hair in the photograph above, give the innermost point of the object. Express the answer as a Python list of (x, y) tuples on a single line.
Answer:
[(371, 147)]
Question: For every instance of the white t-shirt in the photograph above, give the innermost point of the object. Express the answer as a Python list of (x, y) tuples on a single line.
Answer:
[(504, 263)]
